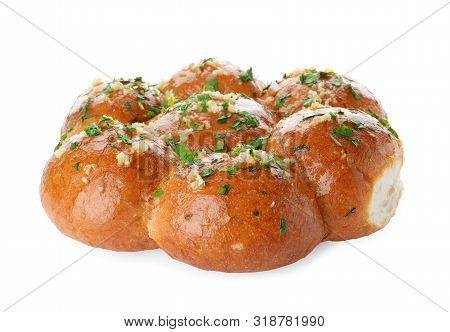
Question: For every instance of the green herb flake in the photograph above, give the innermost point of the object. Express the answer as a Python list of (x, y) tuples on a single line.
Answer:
[(222, 118), (220, 146), (225, 105), (92, 130), (197, 127), (307, 102), (183, 153), (207, 172), (310, 77), (335, 140), (301, 147), (124, 138), (74, 145), (108, 89), (258, 143), (210, 84), (76, 166), (128, 105), (333, 116), (246, 76), (354, 92), (283, 225), (84, 109), (203, 98), (244, 122), (224, 189), (282, 101), (158, 192)]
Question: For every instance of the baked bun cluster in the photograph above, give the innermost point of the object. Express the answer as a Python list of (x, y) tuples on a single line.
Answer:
[(222, 172)]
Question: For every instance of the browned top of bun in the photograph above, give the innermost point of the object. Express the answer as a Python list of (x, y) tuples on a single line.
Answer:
[(310, 88), (124, 100), (214, 122), (97, 185), (212, 74), (248, 214), (341, 153)]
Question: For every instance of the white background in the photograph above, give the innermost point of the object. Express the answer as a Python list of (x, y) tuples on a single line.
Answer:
[(39, 81)]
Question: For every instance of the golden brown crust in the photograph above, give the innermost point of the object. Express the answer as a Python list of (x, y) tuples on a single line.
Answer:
[(124, 100), (214, 122), (341, 164), (312, 89), (94, 196), (249, 221), (226, 77)]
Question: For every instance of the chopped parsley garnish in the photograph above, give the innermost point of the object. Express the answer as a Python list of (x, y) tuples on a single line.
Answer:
[(307, 101), (222, 118), (235, 151), (203, 98), (258, 143), (282, 101), (124, 138), (92, 130), (335, 140), (345, 132), (225, 105), (282, 227), (233, 170), (129, 127), (108, 89), (354, 92), (183, 153), (220, 146), (197, 127), (336, 80), (300, 147), (73, 145), (246, 76), (158, 192), (333, 116), (207, 172), (385, 123), (76, 166), (128, 105), (210, 84), (310, 77), (84, 108), (105, 121), (244, 122), (393, 132), (224, 189)]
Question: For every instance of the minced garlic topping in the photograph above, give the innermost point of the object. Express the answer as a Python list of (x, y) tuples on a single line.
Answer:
[(123, 159)]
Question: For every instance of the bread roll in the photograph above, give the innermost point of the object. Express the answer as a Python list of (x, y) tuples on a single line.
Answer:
[(236, 214), (351, 160), (310, 88), (124, 100), (214, 75), (214, 122), (99, 182)]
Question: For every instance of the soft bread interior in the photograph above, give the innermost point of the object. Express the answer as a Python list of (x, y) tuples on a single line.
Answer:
[(386, 193)]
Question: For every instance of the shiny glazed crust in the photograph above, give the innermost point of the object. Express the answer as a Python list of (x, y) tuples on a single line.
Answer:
[(124, 100), (95, 196), (339, 167), (309, 88), (221, 173), (215, 122), (227, 77), (259, 222)]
